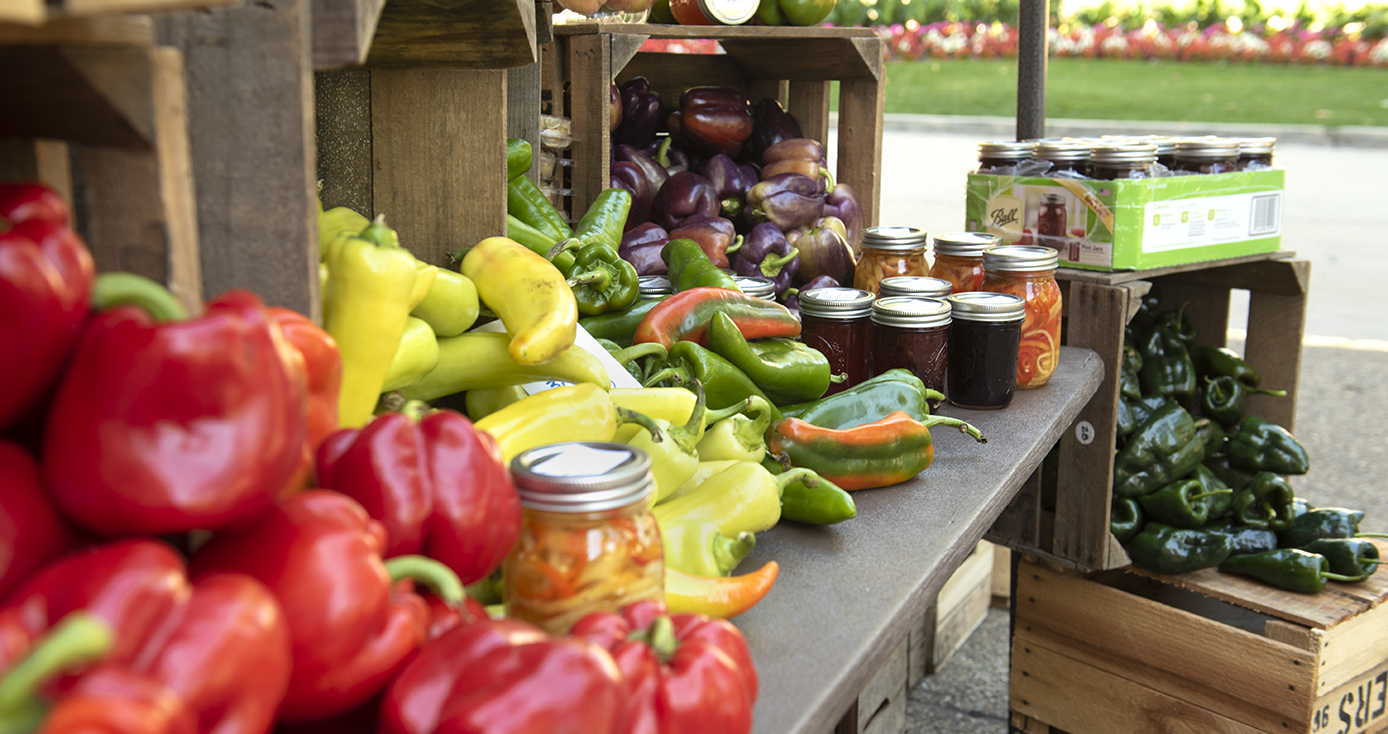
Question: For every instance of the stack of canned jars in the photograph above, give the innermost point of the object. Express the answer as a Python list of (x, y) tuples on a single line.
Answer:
[(1129, 156)]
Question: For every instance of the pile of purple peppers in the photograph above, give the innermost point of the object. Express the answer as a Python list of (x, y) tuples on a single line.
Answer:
[(737, 178)]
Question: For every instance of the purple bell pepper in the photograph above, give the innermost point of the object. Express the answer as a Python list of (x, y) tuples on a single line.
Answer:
[(629, 176), (730, 180), (683, 195), (770, 125), (672, 158), (765, 252), (788, 200), (716, 236), (641, 108), (641, 246), (824, 251), (654, 173), (842, 204)]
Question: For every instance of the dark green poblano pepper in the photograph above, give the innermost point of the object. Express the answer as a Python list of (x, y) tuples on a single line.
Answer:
[(1225, 399), (1217, 362), (1166, 365), (1211, 436), (1165, 549), (1163, 450), (1323, 522), (1292, 569), (1180, 326), (1182, 504), (868, 402), (1355, 557), (1262, 446), (1219, 501), (1125, 518), (1265, 502), (1243, 538), (1234, 478)]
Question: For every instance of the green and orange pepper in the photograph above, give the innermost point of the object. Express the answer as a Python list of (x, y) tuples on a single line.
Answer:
[(876, 454)]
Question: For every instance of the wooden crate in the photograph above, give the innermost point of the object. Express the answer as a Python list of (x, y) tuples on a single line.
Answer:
[(40, 12), (1200, 652), (1097, 306), (1002, 577), (958, 610), (881, 706), (794, 65)]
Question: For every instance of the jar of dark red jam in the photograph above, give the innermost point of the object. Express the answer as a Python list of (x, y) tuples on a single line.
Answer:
[(838, 322), (911, 334), (1166, 149), (914, 286), (1121, 161), (1002, 154), (959, 258), (1207, 155), (984, 334), (1256, 152), (1063, 155)]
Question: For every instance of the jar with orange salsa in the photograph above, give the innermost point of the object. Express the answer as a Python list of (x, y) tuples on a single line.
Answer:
[(588, 540), (889, 251), (1029, 273), (959, 258)]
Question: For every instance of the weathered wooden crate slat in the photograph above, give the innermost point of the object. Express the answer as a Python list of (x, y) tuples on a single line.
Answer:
[(958, 610), (1097, 307), (41, 12)]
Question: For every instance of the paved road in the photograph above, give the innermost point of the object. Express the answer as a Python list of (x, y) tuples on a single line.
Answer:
[(1336, 216)]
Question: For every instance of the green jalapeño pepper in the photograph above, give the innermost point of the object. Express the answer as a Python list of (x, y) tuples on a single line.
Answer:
[(1221, 362), (1163, 450), (1265, 502), (602, 281), (822, 504), (1218, 500), (1262, 446), (1354, 557), (877, 454), (529, 205), (519, 156), (1243, 538), (1292, 569), (1165, 549), (868, 401), (618, 326), (1125, 518), (1180, 504), (786, 370), (537, 242), (605, 219), (1323, 522), (1225, 399), (1166, 365), (690, 267), (724, 384)]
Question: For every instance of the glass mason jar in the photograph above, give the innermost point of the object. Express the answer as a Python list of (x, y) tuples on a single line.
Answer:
[(912, 334), (1029, 273), (959, 258), (984, 335), (1166, 149), (588, 540), (1002, 154), (756, 286), (838, 322), (1121, 161), (655, 287), (914, 286), (1207, 155), (1063, 155), (1256, 152), (713, 12), (889, 251)]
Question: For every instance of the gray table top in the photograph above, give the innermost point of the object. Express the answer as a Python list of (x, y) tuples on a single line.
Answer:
[(848, 593)]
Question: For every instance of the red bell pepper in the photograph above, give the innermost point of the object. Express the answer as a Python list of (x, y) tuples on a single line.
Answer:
[(504, 677), (351, 628), (438, 485), (686, 673), (31, 533), (323, 369), (45, 285), (162, 428), (685, 317)]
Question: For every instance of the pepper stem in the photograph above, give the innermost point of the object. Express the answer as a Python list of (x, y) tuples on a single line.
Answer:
[(678, 374), (1371, 535), (796, 474), (1261, 391), (735, 246), (1372, 561), (627, 415), (687, 436), (435, 576), (837, 377), (1203, 495), (637, 351), (378, 234), (415, 410), (728, 552), (78, 639), (934, 395), (662, 154), (713, 416), (771, 265), (730, 207), (563, 246), (111, 290), (598, 279), (939, 420), (1340, 577), (828, 177), (661, 638)]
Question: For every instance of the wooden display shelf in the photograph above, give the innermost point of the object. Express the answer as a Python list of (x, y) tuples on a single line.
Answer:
[(1205, 651), (793, 65), (40, 12), (1097, 307), (418, 34)]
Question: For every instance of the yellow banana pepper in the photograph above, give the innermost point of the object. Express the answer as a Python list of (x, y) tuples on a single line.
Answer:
[(365, 308), (416, 356), (705, 470), (480, 359), (717, 597), (482, 402), (573, 413), (450, 307), (424, 277), (744, 498), (528, 294)]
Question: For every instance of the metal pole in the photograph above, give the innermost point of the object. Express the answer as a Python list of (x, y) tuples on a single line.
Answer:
[(1033, 20)]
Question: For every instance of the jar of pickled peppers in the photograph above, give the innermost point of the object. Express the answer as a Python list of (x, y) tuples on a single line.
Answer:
[(1028, 272), (914, 286), (959, 258), (889, 251), (588, 540)]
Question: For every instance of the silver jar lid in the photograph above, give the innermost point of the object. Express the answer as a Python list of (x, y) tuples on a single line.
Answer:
[(985, 306), (1020, 259), (1123, 153), (965, 244), (1061, 151), (841, 304), (1007, 150), (910, 313), (582, 476), (896, 239), (1257, 146), (1207, 149), (914, 285), (756, 286), (729, 12), (655, 287)]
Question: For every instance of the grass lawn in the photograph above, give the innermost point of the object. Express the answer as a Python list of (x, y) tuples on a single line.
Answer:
[(1142, 90)]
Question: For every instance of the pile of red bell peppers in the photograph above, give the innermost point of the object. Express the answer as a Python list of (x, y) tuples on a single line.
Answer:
[(191, 546)]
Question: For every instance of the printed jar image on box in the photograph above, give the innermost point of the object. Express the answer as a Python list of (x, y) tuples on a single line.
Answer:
[(1132, 224)]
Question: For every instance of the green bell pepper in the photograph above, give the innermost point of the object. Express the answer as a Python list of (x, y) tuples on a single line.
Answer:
[(1265, 502), (1219, 500), (1180, 504), (1243, 538), (806, 12), (1292, 569), (690, 267), (1221, 362), (823, 504), (1262, 446), (1166, 366), (1163, 450), (1355, 557), (618, 326), (724, 384), (602, 281), (786, 370), (1125, 518), (1225, 399), (1165, 549), (1324, 522), (868, 401), (528, 204)]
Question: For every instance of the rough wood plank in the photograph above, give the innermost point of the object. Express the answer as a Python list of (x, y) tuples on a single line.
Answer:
[(94, 95), (1359, 706), (1295, 635), (770, 57), (777, 89), (1241, 674), (251, 120), (1348, 650), (1124, 276), (887, 685), (463, 34), (808, 102), (342, 31), (1002, 576), (955, 627), (860, 142), (1085, 478), (890, 718), (45, 161), (523, 110), (110, 30), (956, 612), (1018, 526), (1332, 606), (439, 156), (343, 118), (100, 7), (27, 12), (1276, 323), (590, 71), (657, 30), (1028, 725)]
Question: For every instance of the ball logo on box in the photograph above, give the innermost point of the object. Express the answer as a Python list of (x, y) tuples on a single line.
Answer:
[(1005, 218)]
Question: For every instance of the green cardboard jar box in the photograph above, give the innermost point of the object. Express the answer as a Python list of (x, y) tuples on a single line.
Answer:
[(1133, 224)]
